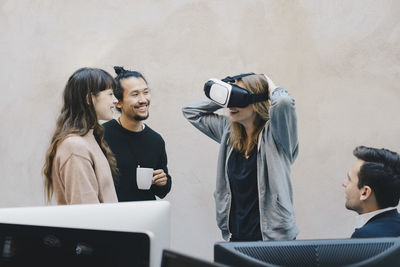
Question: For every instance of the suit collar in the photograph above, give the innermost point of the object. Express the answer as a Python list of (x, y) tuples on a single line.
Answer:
[(362, 219)]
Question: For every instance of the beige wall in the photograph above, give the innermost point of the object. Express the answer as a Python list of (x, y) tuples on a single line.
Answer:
[(339, 59)]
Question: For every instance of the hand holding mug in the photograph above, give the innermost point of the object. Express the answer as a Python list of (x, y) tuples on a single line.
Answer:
[(159, 177)]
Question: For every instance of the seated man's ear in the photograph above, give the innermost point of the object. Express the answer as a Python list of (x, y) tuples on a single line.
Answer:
[(366, 192)]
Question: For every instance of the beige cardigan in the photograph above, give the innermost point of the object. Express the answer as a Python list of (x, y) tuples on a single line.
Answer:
[(81, 173)]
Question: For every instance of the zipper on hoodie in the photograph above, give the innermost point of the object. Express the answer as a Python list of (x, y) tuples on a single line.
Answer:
[(229, 189), (258, 182)]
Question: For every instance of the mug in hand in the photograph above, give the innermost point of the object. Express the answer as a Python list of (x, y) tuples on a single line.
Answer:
[(144, 177)]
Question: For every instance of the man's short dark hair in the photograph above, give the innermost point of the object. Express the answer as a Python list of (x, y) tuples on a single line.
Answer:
[(123, 74), (381, 172)]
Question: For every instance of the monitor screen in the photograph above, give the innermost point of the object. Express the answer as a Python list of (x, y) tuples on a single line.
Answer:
[(174, 259), (330, 252), (149, 217), (27, 245)]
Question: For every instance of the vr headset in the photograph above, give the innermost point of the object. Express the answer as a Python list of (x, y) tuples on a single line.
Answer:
[(227, 94)]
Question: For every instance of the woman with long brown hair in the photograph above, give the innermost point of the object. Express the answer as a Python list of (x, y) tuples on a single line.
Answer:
[(79, 166), (258, 143)]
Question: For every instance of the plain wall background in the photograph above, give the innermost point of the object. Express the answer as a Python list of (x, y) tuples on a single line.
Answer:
[(340, 60)]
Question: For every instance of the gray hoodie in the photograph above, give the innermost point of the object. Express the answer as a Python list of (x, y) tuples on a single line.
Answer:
[(277, 145)]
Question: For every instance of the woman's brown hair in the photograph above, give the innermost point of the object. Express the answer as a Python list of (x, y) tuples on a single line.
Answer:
[(255, 84), (78, 116)]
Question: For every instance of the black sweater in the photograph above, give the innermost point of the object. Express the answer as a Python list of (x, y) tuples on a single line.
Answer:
[(145, 148)]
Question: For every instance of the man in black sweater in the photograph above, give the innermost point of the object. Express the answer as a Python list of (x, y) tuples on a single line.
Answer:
[(133, 143), (373, 191)]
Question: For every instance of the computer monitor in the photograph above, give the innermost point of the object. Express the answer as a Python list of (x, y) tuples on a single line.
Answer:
[(151, 218), (45, 246), (175, 259), (331, 252)]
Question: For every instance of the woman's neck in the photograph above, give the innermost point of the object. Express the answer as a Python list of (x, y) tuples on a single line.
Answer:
[(249, 128), (252, 129)]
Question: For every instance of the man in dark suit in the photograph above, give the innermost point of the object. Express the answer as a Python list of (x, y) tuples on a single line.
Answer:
[(373, 191)]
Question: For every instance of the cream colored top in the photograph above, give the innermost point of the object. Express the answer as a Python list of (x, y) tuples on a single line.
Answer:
[(81, 173)]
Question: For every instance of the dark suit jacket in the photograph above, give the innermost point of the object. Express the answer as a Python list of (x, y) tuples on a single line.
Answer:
[(385, 224)]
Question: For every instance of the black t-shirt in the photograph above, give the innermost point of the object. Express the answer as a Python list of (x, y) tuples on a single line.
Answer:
[(244, 221), (145, 148)]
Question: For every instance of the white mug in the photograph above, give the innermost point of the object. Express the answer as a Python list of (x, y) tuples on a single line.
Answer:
[(144, 177)]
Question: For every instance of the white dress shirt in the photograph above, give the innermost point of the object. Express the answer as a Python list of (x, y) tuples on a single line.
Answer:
[(362, 219)]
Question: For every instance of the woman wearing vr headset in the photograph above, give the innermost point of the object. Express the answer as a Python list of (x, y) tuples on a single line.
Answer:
[(258, 144)]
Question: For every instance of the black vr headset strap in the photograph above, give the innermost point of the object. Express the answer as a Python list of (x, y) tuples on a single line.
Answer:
[(254, 98), (232, 79)]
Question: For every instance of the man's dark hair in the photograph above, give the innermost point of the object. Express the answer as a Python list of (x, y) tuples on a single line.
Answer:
[(123, 74), (381, 172)]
